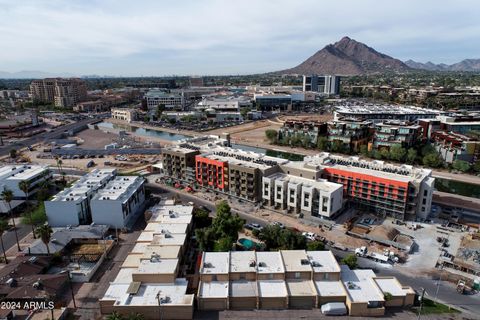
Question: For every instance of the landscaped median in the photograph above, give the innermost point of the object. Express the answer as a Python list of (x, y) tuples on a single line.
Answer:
[(432, 307)]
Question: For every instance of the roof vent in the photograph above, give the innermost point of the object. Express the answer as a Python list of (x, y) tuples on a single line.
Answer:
[(262, 264), (304, 262)]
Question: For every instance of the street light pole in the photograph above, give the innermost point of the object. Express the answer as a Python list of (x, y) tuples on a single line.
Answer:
[(71, 288)]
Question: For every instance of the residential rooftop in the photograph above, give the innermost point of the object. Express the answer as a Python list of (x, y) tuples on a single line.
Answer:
[(296, 260), (272, 288), (323, 261), (243, 288), (242, 261), (360, 285), (21, 172), (269, 262), (215, 263), (119, 189), (158, 266), (301, 288), (330, 288), (391, 285), (214, 289)]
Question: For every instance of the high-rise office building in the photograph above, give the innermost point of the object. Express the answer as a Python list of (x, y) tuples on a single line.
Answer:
[(328, 84)]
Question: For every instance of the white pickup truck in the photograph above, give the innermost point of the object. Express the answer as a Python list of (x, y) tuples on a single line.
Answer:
[(378, 257)]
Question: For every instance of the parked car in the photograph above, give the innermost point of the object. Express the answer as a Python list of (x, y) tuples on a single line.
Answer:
[(276, 223), (309, 235), (253, 226)]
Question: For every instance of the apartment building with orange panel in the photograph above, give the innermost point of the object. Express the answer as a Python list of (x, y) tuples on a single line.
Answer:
[(211, 173)]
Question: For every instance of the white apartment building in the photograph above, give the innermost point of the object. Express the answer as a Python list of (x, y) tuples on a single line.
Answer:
[(12, 175), (156, 97), (71, 206), (127, 115), (313, 198), (119, 202)]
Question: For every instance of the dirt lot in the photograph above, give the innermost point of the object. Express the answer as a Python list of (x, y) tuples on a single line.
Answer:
[(95, 139)]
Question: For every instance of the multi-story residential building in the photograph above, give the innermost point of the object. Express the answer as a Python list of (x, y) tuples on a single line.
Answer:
[(12, 175), (123, 114), (390, 133), (454, 146), (120, 202), (179, 161), (459, 124), (236, 172), (156, 97), (149, 281), (351, 132), (402, 191), (327, 84), (61, 92), (303, 128), (71, 206), (295, 279), (380, 113)]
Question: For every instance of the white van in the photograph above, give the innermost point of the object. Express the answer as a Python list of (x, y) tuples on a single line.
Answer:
[(334, 309)]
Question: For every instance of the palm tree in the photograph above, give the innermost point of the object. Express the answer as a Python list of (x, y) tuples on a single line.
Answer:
[(3, 228), (115, 316), (24, 185), (60, 169), (44, 232), (7, 197)]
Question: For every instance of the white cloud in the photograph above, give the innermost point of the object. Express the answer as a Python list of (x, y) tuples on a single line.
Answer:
[(212, 36)]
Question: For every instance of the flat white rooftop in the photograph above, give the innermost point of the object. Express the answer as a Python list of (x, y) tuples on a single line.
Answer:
[(360, 285), (158, 266), (169, 210), (319, 184), (174, 239), (301, 288), (269, 262), (296, 260), (124, 275), (170, 227), (119, 189), (146, 249), (172, 218), (243, 288), (391, 285), (21, 172), (323, 261), (242, 261), (147, 294), (213, 289), (330, 288), (215, 263), (272, 288)]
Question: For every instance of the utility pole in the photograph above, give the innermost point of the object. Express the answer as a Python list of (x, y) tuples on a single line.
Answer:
[(421, 303)]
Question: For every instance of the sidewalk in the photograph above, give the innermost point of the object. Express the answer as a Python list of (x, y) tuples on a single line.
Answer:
[(13, 252)]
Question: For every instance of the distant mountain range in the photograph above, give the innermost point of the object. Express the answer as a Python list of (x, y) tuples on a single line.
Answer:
[(464, 65), (33, 74), (350, 57)]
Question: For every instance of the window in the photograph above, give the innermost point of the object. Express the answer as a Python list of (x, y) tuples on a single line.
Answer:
[(325, 276), (242, 276), (297, 275), (270, 276), (214, 277), (425, 193)]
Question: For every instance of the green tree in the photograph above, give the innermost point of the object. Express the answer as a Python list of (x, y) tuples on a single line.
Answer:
[(476, 166), (13, 153), (7, 197), (322, 143), (276, 238), (384, 153), (271, 135), (135, 316), (202, 218), (115, 316), (411, 155), (397, 153), (24, 185), (350, 261), (315, 246), (432, 160), (244, 112), (3, 228), (337, 146), (223, 244), (461, 165), (427, 149), (364, 150), (35, 216), (376, 154), (306, 141), (160, 109), (44, 232), (205, 238)]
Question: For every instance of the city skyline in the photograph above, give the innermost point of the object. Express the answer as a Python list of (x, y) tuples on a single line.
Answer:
[(151, 39)]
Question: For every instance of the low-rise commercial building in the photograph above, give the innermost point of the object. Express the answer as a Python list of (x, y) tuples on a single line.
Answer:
[(12, 175), (156, 97), (124, 114), (381, 112)]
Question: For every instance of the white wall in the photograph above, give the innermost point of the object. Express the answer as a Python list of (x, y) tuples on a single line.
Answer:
[(62, 213)]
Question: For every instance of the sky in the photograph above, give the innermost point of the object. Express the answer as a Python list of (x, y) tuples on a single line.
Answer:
[(213, 37)]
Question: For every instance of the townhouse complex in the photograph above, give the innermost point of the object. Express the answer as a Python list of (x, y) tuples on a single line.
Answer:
[(149, 281), (12, 175), (296, 279), (319, 187), (101, 197)]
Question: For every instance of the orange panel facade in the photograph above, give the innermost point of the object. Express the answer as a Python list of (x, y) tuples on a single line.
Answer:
[(211, 172)]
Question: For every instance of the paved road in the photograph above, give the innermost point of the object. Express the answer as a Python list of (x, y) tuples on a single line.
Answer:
[(9, 237), (446, 294), (55, 133)]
